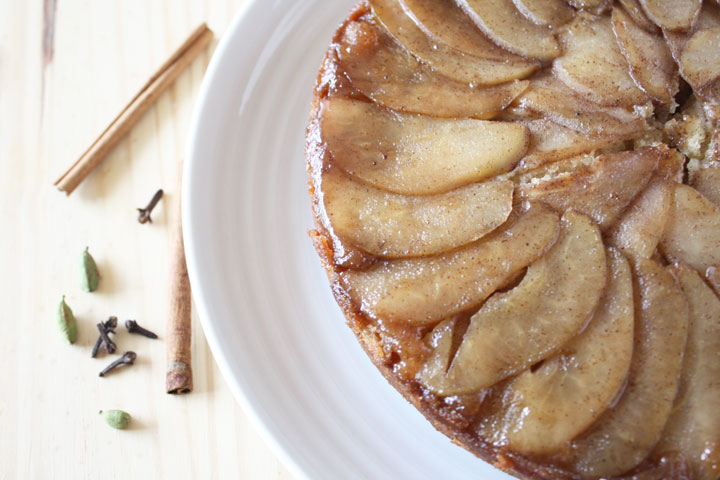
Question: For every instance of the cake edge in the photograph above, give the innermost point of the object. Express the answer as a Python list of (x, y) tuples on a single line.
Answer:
[(315, 156)]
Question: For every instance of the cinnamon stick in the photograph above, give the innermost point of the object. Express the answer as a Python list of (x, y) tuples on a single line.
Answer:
[(133, 111), (178, 378)]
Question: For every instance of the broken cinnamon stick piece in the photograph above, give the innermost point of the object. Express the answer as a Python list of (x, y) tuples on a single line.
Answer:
[(178, 378), (143, 100)]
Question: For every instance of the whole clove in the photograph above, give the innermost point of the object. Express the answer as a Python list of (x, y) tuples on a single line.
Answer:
[(144, 215), (127, 359), (109, 344), (133, 327), (109, 326)]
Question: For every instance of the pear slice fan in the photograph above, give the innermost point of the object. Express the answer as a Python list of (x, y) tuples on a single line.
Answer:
[(517, 203)]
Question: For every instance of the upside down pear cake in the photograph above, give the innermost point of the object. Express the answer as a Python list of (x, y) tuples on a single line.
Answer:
[(517, 203)]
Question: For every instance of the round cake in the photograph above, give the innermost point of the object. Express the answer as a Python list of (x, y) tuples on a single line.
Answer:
[(517, 203)]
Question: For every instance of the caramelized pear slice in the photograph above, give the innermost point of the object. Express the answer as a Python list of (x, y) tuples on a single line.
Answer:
[(639, 230), (444, 59), (626, 433), (427, 289), (383, 71), (595, 5), (601, 190), (676, 42), (549, 97), (393, 225), (692, 233), (713, 277), (694, 427), (445, 22), (651, 63), (707, 182), (441, 342), (708, 18), (417, 155), (508, 28), (550, 142), (673, 465), (593, 64), (672, 14), (543, 409), (552, 13), (634, 9), (710, 95), (700, 59), (552, 303)]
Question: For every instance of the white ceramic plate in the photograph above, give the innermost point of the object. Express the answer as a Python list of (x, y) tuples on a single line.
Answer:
[(264, 301)]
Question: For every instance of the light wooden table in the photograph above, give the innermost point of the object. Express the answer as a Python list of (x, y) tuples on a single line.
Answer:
[(63, 76)]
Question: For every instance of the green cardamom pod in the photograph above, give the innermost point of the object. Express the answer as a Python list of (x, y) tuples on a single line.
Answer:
[(90, 276), (116, 418), (66, 322)]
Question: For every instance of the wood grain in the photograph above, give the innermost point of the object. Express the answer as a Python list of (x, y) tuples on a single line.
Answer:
[(51, 108)]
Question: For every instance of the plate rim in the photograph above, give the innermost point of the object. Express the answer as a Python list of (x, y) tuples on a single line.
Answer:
[(200, 107), (237, 66)]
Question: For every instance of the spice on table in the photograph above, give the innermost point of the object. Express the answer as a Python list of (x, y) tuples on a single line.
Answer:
[(144, 215), (133, 111), (178, 336), (90, 276), (109, 326), (127, 359), (109, 344), (117, 418), (133, 327), (66, 321)]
